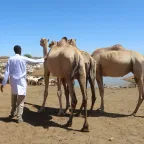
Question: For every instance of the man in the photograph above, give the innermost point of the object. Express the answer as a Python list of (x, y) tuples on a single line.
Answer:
[(16, 70), (63, 41)]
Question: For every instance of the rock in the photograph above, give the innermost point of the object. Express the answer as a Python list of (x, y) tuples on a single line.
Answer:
[(111, 139)]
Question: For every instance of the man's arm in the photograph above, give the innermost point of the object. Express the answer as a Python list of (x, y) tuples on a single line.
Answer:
[(33, 61), (6, 75)]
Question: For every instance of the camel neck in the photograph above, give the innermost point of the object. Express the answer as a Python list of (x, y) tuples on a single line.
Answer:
[(45, 50)]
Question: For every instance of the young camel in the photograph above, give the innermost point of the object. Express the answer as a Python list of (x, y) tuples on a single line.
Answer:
[(90, 67), (117, 62), (66, 62)]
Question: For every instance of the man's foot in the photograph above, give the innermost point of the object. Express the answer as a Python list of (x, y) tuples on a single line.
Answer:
[(20, 120)]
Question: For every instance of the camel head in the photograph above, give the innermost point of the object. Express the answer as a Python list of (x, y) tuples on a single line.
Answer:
[(52, 44), (63, 41), (72, 42), (44, 44)]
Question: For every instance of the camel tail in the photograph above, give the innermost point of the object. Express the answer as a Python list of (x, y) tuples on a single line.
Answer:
[(92, 68), (75, 65)]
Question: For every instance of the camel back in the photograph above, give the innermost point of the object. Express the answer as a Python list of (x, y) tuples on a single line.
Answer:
[(116, 47), (67, 52)]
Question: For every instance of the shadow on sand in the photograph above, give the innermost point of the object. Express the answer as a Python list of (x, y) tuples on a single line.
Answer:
[(45, 119), (95, 113)]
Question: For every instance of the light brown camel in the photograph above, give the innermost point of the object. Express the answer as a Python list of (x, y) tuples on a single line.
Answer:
[(117, 62), (66, 62), (59, 90), (90, 67)]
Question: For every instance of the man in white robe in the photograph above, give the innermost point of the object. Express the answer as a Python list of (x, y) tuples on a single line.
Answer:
[(16, 70)]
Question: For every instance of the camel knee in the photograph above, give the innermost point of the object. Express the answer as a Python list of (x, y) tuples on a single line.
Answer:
[(85, 102), (74, 103), (59, 93)]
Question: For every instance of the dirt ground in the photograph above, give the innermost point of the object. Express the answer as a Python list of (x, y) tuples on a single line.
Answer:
[(46, 128)]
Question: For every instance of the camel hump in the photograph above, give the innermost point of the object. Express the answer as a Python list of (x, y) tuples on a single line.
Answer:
[(116, 47)]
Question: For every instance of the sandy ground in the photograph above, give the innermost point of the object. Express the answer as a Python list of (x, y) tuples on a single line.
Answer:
[(46, 128)]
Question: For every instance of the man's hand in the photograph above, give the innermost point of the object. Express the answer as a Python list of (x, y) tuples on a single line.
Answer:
[(2, 88)]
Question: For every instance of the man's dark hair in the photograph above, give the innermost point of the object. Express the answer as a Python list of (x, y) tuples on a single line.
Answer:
[(17, 49), (65, 38)]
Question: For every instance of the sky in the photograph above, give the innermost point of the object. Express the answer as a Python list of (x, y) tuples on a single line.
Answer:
[(93, 23)]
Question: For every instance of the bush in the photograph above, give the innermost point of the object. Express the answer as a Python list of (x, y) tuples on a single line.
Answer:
[(28, 55)]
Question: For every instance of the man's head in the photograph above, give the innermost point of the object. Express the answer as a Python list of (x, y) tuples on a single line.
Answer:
[(17, 49)]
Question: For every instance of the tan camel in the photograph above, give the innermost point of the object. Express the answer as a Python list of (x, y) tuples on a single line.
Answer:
[(90, 67), (117, 62), (66, 62)]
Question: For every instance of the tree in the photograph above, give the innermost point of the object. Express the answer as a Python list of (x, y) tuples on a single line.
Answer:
[(28, 55)]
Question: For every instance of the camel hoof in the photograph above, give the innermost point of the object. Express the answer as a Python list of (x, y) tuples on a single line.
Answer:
[(68, 124), (41, 110), (85, 129), (100, 110), (66, 110), (78, 114), (133, 114)]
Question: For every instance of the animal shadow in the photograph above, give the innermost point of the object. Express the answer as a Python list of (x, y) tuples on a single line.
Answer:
[(7, 120), (48, 110), (94, 113)]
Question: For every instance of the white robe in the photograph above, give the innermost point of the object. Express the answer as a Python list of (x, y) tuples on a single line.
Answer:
[(16, 70)]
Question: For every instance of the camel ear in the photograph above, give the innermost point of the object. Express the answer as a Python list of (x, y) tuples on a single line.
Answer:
[(75, 39), (48, 40)]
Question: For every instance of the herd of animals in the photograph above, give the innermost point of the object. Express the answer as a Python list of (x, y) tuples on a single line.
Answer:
[(33, 81), (67, 62)]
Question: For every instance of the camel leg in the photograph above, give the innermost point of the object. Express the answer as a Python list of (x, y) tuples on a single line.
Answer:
[(99, 79), (82, 83), (141, 95), (82, 105), (59, 94), (66, 95), (46, 76), (92, 85), (73, 101)]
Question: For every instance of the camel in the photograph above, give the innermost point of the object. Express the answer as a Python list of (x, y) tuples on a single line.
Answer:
[(90, 67), (116, 62), (66, 62), (59, 90)]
